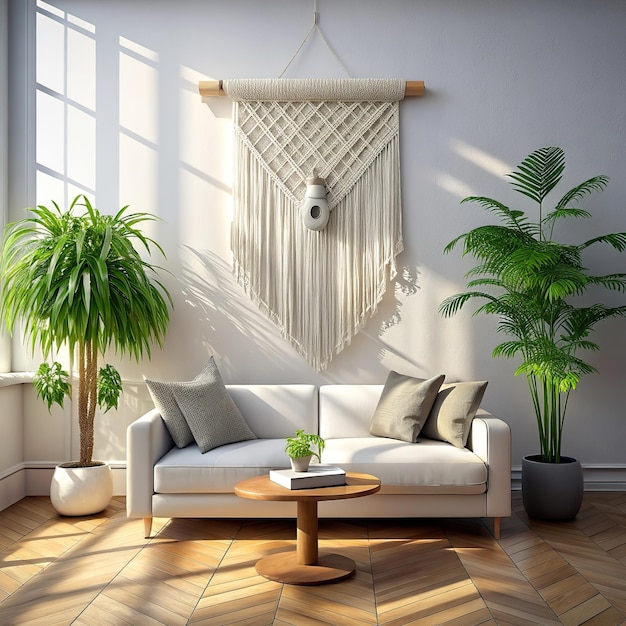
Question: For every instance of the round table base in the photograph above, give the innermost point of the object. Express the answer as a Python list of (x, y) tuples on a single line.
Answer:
[(284, 568)]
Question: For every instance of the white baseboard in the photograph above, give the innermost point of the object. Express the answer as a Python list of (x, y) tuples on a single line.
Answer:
[(12, 486), (597, 477), (33, 479)]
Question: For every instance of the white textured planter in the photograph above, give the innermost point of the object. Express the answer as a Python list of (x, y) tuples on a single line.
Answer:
[(301, 464), (78, 491)]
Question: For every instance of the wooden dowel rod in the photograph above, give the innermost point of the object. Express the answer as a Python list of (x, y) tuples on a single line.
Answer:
[(214, 88), (414, 88), (211, 88)]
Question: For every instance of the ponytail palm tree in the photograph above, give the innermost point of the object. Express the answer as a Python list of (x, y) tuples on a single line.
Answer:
[(530, 281), (74, 278)]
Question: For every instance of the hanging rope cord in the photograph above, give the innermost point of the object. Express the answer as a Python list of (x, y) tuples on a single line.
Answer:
[(315, 27)]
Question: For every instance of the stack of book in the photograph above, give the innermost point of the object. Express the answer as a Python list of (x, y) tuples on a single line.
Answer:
[(317, 476)]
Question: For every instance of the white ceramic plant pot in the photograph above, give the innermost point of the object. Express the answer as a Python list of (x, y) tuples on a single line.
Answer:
[(301, 464), (78, 491)]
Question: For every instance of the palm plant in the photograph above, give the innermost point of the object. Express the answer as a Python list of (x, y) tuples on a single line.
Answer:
[(529, 280), (75, 279)]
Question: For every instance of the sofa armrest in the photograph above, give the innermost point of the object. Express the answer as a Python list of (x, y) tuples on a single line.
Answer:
[(490, 439), (147, 440)]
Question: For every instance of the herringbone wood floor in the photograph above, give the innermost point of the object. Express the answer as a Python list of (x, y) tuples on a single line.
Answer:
[(100, 570)]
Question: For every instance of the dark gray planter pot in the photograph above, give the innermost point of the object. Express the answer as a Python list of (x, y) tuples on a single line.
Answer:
[(552, 491)]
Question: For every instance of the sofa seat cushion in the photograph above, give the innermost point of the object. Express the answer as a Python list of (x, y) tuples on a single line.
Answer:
[(186, 470), (428, 466)]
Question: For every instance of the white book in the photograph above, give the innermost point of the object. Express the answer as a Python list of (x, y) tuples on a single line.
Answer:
[(317, 476)]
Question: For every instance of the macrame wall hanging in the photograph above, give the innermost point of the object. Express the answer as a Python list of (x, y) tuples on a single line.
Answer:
[(317, 219)]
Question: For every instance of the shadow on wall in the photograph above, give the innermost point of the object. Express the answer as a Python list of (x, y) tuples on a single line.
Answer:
[(110, 439), (370, 350), (227, 321), (405, 284)]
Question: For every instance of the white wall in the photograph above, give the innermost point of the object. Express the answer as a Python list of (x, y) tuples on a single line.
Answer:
[(5, 350), (12, 474), (503, 78)]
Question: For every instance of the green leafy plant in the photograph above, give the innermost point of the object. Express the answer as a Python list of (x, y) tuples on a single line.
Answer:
[(109, 386), (74, 278), (531, 283), (300, 445), (51, 383)]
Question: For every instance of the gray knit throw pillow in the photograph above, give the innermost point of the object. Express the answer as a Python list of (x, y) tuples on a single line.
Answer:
[(213, 417), (166, 404), (164, 401)]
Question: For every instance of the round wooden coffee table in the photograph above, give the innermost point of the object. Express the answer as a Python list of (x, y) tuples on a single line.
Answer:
[(305, 566)]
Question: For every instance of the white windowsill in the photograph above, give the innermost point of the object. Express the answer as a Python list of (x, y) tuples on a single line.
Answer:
[(15, 378)]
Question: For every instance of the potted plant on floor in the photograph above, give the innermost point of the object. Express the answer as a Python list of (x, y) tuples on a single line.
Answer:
[(299, 449), (531, 282), (74, 278)]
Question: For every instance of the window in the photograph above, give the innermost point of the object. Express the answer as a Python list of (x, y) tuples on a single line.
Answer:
[(65, 105)]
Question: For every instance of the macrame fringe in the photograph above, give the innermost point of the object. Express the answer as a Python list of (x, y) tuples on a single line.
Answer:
[(318, 287)]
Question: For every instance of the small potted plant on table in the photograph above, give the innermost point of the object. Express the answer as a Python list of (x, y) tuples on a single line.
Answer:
[(299, 449)]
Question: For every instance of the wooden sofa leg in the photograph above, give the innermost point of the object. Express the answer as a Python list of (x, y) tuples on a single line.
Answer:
[(496, 527), (147, 527)]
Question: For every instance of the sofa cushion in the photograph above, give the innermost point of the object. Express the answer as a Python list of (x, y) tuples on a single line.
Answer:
[(164, 400), (277, 411), (166, 404), (451, 417), (213, 417), (404, 406), (187, 470), (427, 467), (346, 410), (428, 463)]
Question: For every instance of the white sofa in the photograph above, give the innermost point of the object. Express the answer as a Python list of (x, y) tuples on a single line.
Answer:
[(425, 479)]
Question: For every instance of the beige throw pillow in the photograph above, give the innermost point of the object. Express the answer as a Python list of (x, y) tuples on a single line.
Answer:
[(454, 409), (404, 405)]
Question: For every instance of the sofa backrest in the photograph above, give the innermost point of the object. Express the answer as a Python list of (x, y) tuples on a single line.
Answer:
[(346, 410), (277, 411)]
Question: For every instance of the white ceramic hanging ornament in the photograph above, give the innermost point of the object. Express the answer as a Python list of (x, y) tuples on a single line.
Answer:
[(314, 210)]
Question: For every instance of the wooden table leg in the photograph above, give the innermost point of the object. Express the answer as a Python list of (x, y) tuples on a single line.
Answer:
[(305, 566), (306, 546)]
